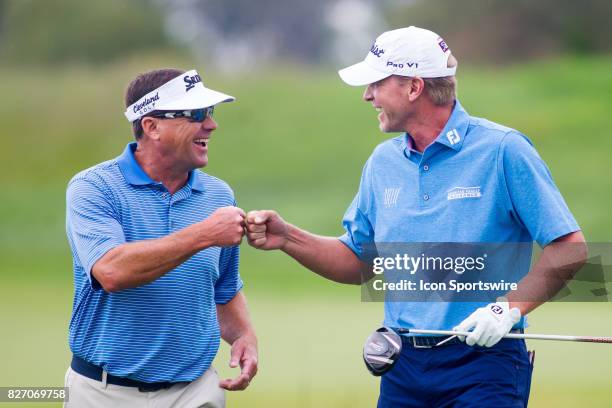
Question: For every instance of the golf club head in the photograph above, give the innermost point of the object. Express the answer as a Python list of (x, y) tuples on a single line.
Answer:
[(382, 348)]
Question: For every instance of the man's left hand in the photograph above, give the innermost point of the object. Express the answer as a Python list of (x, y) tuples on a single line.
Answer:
[(489, 324), (244, 352)]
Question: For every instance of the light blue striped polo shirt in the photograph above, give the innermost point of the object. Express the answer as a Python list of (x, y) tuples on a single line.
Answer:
[(478, 182), (166, 330)]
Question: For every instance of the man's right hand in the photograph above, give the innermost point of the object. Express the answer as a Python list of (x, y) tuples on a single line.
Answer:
[(224, 227), (266, 230)]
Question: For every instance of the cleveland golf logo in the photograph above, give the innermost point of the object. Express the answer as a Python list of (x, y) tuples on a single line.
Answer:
[(144, 107), (191, 81)]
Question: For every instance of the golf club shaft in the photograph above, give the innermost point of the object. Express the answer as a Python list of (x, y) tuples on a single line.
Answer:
[(586, 339)]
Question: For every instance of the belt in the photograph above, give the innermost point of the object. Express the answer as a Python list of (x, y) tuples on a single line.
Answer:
[(437, 341), (96, 373), (430, 341)]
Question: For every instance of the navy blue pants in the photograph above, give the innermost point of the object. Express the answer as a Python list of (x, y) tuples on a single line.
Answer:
[(458, 376)]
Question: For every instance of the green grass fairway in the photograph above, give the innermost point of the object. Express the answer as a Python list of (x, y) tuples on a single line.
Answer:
[(310, 348), (294, 141)]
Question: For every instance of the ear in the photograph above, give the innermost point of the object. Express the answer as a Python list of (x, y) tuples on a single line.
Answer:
[(417, 86), (150, 127)]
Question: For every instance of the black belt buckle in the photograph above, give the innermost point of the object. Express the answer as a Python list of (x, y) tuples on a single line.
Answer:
[(421, 342)]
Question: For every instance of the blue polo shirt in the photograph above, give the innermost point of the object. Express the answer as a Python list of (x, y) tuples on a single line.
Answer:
[(166, 330), (478, 182)]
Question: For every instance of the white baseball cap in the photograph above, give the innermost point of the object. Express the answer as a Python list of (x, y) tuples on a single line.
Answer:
[(409, 51), (186, 91)]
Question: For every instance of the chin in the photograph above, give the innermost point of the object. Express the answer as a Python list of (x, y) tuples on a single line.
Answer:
[(201, 162), (384, 128)]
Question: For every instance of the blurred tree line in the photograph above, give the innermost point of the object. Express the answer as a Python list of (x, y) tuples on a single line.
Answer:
[(68, 31), (292, 28), (502, 30), (245, 32)]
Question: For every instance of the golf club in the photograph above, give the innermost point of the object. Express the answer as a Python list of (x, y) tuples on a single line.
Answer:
[(584, 339)]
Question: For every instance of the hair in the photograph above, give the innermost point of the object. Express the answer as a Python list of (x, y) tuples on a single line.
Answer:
[(142, 85), (442, 91)]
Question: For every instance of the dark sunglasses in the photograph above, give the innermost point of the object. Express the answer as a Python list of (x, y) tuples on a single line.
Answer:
[(193, 115)]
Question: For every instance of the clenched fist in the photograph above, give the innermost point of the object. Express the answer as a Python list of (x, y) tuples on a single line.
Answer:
[(266, 230), (224, 227)]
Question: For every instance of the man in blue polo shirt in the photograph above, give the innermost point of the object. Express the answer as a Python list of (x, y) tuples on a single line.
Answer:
[(449, 178), (155, 257)]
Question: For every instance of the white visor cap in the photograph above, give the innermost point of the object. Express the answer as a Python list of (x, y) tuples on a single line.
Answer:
[(409, 51), (186, 91)]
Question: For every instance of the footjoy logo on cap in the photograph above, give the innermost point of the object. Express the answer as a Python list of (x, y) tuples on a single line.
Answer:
[(442, 44), (190, 81)]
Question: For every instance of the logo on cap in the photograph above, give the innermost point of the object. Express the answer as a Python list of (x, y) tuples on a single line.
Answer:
[(144, 107), (190, 81), (442, 44), (400, 65), (376, 51)]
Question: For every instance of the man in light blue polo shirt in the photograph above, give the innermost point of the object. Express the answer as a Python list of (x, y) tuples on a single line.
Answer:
[(449, 178), (155, 257)]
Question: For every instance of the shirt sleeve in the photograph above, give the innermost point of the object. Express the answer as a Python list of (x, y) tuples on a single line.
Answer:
[(533, 198), (229, 282), (92, 225), (359, 235)]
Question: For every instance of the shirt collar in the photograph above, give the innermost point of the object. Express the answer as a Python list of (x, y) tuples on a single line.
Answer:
[(452, 135), (135, 175), (456, 128), (408, 145)]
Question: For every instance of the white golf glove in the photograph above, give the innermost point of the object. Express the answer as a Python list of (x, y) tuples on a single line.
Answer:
[(489, 324)]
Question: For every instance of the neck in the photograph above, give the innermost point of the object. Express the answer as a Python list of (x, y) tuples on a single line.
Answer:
[(425, 127), (156, 165)]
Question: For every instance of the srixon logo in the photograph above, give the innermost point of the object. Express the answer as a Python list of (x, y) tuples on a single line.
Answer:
[(376, 51), (190, 81)]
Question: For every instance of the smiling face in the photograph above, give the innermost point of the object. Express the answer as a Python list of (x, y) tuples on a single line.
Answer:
[(394, 98), (182, 143)]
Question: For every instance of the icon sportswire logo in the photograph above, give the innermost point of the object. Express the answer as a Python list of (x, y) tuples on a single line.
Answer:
[(463, 192), (391, 195)]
